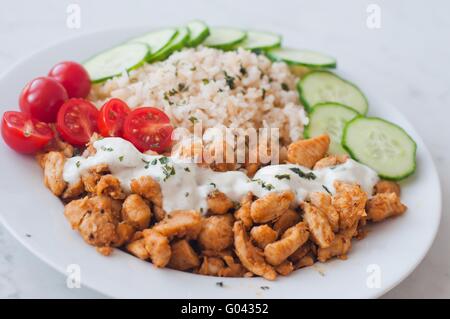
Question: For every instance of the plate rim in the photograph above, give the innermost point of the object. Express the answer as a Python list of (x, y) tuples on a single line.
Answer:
[(36, 252)]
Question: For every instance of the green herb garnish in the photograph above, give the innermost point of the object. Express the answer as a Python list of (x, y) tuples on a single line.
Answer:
[(229, 80), (243, 70), (213, 185), (78, 164), (283, 176), (193, 119), (164, 160), (107, 149), (121, 158), (284, 86), (302, 174), (187, 169), (186, 194), (205, 81), (326, 189), (263, 184)]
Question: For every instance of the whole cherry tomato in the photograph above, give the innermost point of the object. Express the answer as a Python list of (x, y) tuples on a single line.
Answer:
[(73, 76)]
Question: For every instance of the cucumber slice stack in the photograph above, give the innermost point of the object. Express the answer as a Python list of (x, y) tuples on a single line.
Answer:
[(382, 145), (115, 61), (257, 40), (323, 86), (224, 38), (175, 44), (156, 40), (198, 32), (330, 118), (302, 57)]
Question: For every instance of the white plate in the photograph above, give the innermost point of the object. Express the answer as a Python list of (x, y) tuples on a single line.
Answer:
[(392, 249)]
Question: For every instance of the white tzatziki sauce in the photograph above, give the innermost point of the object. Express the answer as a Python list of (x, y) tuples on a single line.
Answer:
[(185, 185)]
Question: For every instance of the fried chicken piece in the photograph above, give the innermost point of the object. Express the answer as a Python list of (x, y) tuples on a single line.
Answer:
[(306, 261), (263, 235), (301, 252), (148, 188), (308, 152), (323, 202), (216, 233), (98, 227), (92, 176), (158, 213), (292, 239), (53, 172), (124, 232), (288, 219), (110, 185), (137, 248), (252, 168), (183, 256), (243, 212), (285, 268), (105, 251), (338, 248), (219, 203), (181, 223), (271, 206), (158, 247), (75, 210), (331, 160), (136, 212), (321, 232), (250, 256), (384, 205), (105, 203), (384, 186), (232, 269), (211, 266), (349, 201), (73, 190)]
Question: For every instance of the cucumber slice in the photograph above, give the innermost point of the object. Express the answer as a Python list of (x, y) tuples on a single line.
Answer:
[(382, 145), (257, 40), (324, 86), (330, 118), (175, 44), (224, 38), (302, 57), (156, 40), (115, 61), (198, 32)]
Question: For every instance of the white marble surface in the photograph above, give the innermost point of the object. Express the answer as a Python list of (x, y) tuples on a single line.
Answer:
[(406, 61)]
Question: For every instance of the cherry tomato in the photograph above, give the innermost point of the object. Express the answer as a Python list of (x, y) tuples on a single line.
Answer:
[(25, 134), (148, 128), (111, 117), (73, 76), (77, 121), (42, 98)]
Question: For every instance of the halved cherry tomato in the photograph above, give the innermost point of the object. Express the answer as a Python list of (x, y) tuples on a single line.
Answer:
[(148, 128), (112, 116), (73, 76), (77, 121), (25, 134), (42, 98)]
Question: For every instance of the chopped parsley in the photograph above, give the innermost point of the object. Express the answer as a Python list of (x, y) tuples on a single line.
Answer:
[(283, 176), (205, 81), (263, 184), (229, 80), (154, 161), (168, 171), (263, 93), (121, 158), (219, 284), (186, 194), (193, 119), (213, 185), (284, 86), (107, 149), (187, 169), (243, 70), (182, 87), (326, 189), (164, 160), (78, 164), (193, 68), (265, 287), (147, 163), (302, 174)]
